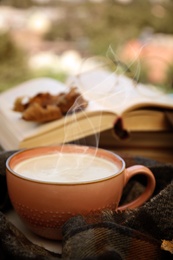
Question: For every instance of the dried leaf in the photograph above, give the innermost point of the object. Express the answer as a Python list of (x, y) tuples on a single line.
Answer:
[(45, 107), (19, 106), (167, 245), (72, 100), (39, 114)]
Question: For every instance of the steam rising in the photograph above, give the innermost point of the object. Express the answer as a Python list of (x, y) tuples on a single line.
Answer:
[(100, 81), (104, 83)]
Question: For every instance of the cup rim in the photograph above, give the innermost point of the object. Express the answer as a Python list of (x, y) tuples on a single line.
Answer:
[(106, 152)]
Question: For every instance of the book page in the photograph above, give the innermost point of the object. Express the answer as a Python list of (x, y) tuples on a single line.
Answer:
[(105, 91), (22, 129), (117, 93)]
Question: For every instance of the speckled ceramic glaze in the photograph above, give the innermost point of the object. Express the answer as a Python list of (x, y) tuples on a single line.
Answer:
[(45, 207)]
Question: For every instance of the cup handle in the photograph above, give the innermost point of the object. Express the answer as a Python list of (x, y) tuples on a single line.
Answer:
[(151, 183)]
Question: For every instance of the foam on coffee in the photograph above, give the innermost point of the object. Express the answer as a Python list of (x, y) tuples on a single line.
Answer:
[(66, 168)]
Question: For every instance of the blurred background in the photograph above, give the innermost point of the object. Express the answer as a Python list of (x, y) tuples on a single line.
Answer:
[(51, 38)]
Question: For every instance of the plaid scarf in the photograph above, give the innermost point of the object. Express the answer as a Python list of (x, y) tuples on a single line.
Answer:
[(142, 233)]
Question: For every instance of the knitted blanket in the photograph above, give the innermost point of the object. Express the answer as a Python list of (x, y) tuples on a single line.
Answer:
[(143, 233)]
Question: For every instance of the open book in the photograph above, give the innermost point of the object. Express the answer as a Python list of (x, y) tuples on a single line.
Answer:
[(114, 102)]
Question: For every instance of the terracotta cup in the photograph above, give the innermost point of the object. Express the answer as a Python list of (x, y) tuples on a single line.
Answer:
[(44, 206)]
